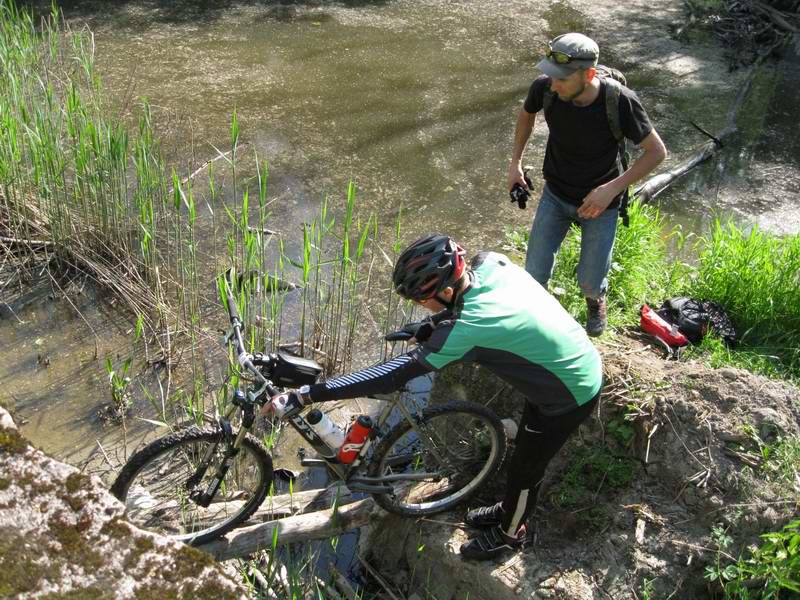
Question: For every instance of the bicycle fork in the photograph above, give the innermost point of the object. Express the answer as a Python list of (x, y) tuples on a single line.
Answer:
[(203, 498)]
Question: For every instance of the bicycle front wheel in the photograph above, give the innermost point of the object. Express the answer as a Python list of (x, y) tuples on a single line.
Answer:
[(441, 460), (157, 485)]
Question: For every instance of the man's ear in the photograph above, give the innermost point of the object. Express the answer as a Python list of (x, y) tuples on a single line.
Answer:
[(590, 73)]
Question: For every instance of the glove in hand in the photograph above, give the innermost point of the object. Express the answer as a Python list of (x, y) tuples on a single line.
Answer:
[(420, 330)]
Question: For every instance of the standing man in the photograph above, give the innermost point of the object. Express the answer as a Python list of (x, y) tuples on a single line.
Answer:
[(584, 177)]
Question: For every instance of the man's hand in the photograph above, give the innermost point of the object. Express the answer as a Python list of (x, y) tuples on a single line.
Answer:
[(516, 176), (420, 330), (282, 405), (597, 201)]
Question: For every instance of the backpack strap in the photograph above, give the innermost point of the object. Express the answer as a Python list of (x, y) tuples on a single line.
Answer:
[(613, 92), (548, 97)]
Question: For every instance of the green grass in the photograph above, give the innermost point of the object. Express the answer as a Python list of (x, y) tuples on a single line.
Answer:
[(769, 571), (753, 275), (591, 472)]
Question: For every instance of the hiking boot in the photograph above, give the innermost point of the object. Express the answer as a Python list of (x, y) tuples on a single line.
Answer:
[(596, 317), (493, 543), (485, 516)]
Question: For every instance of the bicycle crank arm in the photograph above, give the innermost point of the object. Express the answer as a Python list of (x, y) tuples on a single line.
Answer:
[(370, 489), (398, 477)]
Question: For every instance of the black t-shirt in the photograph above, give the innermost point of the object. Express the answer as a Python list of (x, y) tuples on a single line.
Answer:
[(581, 150)]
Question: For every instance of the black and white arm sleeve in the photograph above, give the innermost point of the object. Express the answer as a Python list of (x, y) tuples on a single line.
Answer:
[(379, 379)]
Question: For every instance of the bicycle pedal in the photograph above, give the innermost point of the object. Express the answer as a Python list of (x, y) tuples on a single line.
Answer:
[(313, 462)]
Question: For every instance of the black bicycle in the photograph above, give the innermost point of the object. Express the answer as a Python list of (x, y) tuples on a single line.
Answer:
[(198, 483)]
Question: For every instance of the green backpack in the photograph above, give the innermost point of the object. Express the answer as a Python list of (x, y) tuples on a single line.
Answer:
[(614, 79)]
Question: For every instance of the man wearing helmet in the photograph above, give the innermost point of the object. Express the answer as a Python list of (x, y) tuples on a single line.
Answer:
[(533, 344), (588, 117)]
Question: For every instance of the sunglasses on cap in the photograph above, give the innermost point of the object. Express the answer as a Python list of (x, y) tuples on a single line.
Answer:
[(562, 58)]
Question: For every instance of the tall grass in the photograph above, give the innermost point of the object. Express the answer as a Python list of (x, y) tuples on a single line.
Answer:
[(753, 275), (332, 274), (81, 193), (756, 277), (64, 184)]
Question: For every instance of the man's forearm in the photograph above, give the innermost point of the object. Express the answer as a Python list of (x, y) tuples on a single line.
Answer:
[(383, 378), (654, 153), (522, 133)]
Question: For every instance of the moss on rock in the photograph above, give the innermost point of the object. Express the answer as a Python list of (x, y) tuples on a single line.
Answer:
[(62, 536), (89, 593), (12, 442), (18, 570), (75, 547)]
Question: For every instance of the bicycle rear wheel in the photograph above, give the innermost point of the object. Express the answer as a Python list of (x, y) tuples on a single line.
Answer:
[(454, 448), (155, 485)]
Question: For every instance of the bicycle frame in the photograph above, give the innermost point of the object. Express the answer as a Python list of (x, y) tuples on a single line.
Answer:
[(347, 472), (249, 400)]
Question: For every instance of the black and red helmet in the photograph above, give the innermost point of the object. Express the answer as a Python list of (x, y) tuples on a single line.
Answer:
[(427, 267)]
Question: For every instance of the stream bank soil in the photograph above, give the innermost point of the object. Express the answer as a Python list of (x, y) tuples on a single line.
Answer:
[(633, 500)]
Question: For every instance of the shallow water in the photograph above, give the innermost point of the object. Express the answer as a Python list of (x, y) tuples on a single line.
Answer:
[(415, 101)]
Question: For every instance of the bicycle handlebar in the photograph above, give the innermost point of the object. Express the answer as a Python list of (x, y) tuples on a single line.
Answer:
[(398, 336), (244, 358)]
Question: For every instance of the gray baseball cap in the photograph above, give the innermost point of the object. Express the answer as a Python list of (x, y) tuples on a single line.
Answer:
[(575, 50)]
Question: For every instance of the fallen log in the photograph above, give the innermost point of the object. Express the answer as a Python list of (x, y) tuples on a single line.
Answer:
[(298, 502), (318, 525), (658, 183)]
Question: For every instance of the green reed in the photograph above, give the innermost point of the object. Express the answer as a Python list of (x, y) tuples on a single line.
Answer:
[(328, 270), (104, 202), (65, 166), (755, 276)]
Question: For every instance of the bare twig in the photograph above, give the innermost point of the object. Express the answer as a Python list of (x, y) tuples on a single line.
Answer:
[(342, 584)]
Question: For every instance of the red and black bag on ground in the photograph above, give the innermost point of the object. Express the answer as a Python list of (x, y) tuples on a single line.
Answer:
[(682, 320), (666, 332)]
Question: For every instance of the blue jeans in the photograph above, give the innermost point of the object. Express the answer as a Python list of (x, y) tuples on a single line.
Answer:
[(550, 226)]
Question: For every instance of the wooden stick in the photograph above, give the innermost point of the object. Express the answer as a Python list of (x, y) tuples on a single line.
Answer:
[(378, 577), (298, 502), (23, 242)]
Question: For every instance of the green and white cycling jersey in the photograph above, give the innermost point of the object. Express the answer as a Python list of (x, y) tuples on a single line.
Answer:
[(506, 322)]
